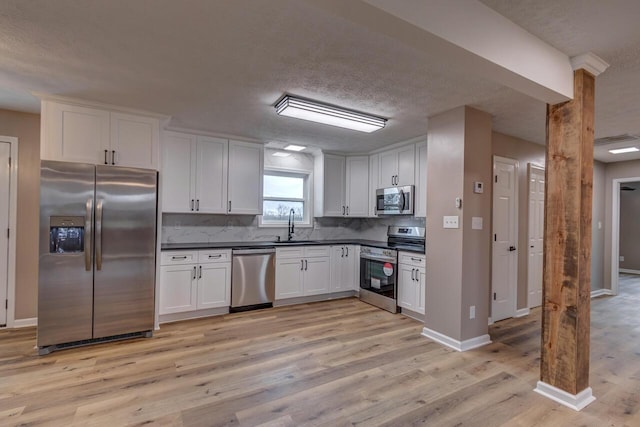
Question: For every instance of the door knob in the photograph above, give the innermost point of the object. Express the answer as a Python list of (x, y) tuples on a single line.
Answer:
[(512, 248)]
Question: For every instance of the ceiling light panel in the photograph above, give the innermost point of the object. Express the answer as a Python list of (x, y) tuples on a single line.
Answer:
[(328, 115), (624, 150), (292, 147)]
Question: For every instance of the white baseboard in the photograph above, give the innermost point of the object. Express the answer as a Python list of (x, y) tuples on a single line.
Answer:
[(629, 271), (189, 315), (601, 292), (574, 401), (522, 312), (25, 323), (465, 345)]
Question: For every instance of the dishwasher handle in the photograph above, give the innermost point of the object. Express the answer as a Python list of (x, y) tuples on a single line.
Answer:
[(260, 251)]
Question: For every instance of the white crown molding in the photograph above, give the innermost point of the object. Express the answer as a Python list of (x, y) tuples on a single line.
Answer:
[(164, 119), (574, 401), (465, 345), (197, 132), (590, 62)]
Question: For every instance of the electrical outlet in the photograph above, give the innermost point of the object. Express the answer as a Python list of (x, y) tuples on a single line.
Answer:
[(621, 258), (177, 225), (472, 312), (450, 222)]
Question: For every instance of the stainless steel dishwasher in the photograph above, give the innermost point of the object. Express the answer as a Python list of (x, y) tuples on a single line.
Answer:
[(253, 279)]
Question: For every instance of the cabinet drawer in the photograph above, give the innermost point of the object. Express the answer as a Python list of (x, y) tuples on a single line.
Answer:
[(317, 251), (178, 257), (294, 252), (218, 255), (414, 260)]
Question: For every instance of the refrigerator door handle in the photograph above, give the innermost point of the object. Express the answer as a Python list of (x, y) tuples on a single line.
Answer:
[(88, 231), (98, 241)]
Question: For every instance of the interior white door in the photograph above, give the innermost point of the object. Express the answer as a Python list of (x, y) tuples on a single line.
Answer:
[(5, 152), (536, 235), (504, 253)]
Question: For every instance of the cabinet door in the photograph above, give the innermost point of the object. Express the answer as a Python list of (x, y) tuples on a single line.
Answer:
[(214, 285), (74, 134), (334, 185), (349, 271), (211, 175), (337, 269), (406, 165), (374, 172), (178, 172), (357, 186), (135, 141), (388, 161), (317, 275), (421, 180), (421, 291), (178, 288), (289, 278), (245, 178), (406, 287)]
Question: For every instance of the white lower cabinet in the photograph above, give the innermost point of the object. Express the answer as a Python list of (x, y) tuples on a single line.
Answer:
[(411, 282), (302, 271), (343, 268), (186, 285)]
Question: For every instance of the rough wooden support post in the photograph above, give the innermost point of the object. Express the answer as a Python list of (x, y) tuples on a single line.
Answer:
[(564, 370)]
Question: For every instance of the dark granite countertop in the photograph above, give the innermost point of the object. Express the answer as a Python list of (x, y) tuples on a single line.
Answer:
[(266, 244)]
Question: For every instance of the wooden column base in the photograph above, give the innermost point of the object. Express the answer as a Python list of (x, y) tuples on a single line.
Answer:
[(573, 401)]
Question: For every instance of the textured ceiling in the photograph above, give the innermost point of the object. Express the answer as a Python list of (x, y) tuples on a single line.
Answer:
[(220, 65)]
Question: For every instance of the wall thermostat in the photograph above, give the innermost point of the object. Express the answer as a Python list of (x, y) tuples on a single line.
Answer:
[(478, 187)]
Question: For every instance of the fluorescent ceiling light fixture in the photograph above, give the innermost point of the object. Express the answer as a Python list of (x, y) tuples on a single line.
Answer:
[(328, 115), (292, 147), (624, 150), (281, 154)]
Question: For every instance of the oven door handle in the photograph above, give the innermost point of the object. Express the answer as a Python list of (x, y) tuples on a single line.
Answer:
[(378, 258)]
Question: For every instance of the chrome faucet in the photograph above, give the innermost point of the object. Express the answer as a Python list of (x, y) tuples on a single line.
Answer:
[(291, 229)]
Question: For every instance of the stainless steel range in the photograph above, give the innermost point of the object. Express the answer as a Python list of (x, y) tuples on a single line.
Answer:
[(378, 266)]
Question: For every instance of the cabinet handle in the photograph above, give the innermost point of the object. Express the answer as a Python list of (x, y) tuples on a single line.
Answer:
[(301, 264), (306, 265), (192, 204), (342, 256), (194, 272), (347, 210), (416, 259), (347, 251), (343, 210), (179, 257), (198, 205), (200, 273), (106, 154), (113, 157), (229, 205), (215, 256), (413, 271)]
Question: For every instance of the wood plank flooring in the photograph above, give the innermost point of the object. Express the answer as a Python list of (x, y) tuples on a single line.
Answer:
[(333, 363)]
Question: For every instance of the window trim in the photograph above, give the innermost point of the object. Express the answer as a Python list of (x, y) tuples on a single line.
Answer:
[(307, 175)]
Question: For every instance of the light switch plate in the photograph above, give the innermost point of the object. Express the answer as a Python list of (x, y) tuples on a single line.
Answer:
[(476, 223), (450, 222), (478, 187)]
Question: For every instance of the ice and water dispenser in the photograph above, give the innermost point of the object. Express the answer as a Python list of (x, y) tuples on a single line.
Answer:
[(66, 234)]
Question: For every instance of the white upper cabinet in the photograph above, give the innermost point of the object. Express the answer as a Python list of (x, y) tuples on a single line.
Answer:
[(397, 167), (246, 165), (374, 172), (76, 133), (178, 174), (421, 180), (334, 185), (211, 175), (134, 141), (357, 186)]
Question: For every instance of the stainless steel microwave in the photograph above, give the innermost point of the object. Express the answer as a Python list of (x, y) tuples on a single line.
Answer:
[(395, 200)]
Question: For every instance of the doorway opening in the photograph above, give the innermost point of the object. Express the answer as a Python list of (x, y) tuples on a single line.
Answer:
[(8, 201), (625, 253)]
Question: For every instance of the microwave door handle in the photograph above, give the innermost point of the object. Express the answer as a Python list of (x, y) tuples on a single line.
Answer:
[(402, 207)]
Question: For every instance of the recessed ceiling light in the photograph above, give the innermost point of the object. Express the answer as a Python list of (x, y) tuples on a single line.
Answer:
[(624, 150), (281, 154), (292, 147), (328, 114)]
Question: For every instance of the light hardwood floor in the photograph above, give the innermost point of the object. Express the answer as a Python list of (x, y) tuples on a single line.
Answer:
[(333, 363)]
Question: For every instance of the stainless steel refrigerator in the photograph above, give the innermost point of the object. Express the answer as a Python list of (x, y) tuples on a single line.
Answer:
[(97, 253)]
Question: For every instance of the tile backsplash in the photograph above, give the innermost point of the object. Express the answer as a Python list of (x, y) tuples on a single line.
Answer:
[(199, 228)]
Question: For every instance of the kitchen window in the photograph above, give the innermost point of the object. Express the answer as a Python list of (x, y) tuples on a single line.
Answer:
[(283, 191)]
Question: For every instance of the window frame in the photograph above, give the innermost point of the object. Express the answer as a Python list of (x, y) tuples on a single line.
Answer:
[(307, 199)]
